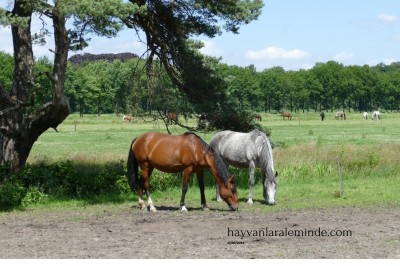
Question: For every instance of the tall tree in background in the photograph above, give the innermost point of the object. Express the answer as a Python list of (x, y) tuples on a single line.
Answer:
[(167, 25), (21, 126)]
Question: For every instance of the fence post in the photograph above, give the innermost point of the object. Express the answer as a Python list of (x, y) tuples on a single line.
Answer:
[(340, 177)]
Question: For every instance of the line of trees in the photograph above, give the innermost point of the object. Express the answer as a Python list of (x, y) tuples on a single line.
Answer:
[(326, 86), (115, 86)]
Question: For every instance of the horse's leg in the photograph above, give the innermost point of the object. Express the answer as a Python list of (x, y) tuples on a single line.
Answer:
[(140, 188), (185, 183), (217, 196), (252, 167), (145, 175), (142, 205), (200, 179)]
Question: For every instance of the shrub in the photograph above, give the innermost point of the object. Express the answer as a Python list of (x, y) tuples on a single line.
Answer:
[(12, 192), (74, 179)]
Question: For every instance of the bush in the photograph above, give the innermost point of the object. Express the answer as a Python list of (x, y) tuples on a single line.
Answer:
[(12, 192), (229, 119), (162, 181), (74, 179), (71, 179)]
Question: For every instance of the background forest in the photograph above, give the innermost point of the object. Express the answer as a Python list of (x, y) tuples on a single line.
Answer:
[(117, 83)]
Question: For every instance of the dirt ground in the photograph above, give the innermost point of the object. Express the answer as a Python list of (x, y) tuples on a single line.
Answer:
[(119, 231)]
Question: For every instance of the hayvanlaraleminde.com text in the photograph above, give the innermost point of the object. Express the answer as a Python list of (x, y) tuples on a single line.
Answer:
[(287, 232)]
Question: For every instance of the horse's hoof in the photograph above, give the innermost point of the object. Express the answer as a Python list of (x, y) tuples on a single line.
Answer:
[(153, 209), (183, 209), (250, 202), (205, 208), (219, 199)]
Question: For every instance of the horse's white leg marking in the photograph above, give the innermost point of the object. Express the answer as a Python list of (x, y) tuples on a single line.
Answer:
[(252, 167), (219, 199), (183, 209), (142, 205), (150, 203)]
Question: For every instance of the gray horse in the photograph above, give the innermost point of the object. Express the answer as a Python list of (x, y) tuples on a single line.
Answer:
[(251, 150)]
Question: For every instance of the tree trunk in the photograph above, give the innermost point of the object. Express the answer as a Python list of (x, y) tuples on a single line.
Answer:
[(18, 130)]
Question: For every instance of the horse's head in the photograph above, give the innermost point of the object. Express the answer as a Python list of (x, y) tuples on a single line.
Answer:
[(269, 187), (228, 193)]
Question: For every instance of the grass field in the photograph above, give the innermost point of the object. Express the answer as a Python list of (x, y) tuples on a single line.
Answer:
[(306, 155)]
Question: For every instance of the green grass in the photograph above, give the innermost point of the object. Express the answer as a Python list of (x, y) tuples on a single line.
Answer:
[(305, 155)]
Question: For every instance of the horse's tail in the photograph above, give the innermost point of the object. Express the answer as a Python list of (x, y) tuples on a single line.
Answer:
[(132, 166)]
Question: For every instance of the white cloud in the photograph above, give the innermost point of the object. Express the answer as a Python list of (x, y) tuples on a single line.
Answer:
[(388, 18), (343, 56), (389, 61), (273, 52), (384, 61), (211, 49)]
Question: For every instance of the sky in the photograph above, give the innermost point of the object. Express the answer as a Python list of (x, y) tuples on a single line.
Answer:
[(293, 34)]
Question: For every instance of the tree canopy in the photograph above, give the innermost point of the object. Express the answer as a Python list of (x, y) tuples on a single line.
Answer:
[(167, 25)]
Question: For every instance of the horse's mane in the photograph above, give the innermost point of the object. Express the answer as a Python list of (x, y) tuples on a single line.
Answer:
[(219, 163), (265, 148)]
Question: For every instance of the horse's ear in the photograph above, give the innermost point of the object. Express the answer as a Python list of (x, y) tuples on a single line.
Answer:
[(276, 173)]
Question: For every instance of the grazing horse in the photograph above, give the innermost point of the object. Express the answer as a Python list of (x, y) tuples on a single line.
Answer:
[(258, 117), (340, 115), (172, 117), (127, 118), (186, 153), (250, 150), (365, 115), (376, 115), (287, 114), (322, 115)]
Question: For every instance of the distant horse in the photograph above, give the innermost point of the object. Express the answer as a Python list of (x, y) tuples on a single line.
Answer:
[(258, 117), (287, 114), (250, 150), (172, 117), (365, 115), (340, 115), (322, 115), (376, 115), (186, 153), (127, 118)]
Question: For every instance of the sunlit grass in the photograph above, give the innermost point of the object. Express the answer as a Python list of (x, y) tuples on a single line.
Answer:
[(306, 155)]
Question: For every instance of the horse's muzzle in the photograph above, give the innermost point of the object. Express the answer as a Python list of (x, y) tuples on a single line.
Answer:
[(232, 208)]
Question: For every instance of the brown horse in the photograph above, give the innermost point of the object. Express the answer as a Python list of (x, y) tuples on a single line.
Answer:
[(287, 114), (258, 117), (186, 153), (172, 117)]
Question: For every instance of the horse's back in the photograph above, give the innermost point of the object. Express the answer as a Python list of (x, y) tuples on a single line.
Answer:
[(224, 139), (167, 153), (236, 148)]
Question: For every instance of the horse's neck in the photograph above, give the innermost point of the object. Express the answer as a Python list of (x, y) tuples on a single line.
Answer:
[(265, 157)]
